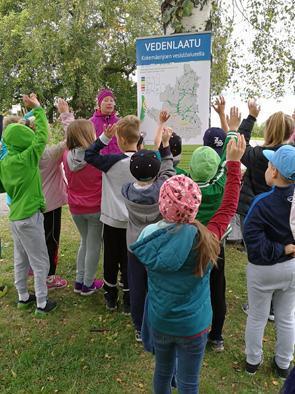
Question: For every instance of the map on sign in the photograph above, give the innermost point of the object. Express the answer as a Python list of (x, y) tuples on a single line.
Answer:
[(180, 100), (173, 74)]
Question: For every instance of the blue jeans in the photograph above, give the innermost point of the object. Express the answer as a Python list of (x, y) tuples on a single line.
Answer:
[(189, 353)]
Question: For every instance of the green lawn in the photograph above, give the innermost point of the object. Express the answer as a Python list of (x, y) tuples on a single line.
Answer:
[(81, 348)]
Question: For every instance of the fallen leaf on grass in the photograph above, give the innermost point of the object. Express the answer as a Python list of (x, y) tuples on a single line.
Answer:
[(119, 380), (13, 373), (275, 382), (97, 329)]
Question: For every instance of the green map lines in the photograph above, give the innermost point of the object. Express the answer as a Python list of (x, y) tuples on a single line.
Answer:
[(181, 101)]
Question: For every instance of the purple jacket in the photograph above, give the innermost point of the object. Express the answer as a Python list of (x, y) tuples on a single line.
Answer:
[(100, 121)]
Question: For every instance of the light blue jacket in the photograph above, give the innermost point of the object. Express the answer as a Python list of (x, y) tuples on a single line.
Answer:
[(179, 301)]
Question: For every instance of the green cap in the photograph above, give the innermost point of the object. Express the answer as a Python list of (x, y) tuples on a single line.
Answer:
[(204, 164)]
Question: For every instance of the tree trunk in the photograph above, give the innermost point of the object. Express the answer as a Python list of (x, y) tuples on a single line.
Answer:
[(186, 16)]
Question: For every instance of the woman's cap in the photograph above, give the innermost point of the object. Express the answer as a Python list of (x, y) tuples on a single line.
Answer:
[(204, 164), (179, 200), (283, 160), (104, 93), (214, 137), (145, 165)]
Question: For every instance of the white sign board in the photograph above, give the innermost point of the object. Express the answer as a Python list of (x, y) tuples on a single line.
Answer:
[(173, 74)]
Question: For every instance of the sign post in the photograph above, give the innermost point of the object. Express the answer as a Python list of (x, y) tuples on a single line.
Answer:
[(173, 74)]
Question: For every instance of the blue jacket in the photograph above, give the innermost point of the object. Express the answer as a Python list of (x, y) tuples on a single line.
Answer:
[(179, 301), (267, 227)]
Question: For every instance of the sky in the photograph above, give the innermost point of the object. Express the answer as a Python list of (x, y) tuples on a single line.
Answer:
[(268, 106)]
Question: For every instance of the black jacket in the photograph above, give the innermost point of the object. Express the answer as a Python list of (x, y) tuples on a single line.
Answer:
[(253, 158)]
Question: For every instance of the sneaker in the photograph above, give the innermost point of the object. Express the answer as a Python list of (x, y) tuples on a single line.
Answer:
[(96, 285), (56, 282), (3, 290), (111, 301), (42, 312), (138, 336), (78, 287), (216, 344), (245, 308), (126, 302), (281, 372), (271, 316), (26, 304), (251, 369)]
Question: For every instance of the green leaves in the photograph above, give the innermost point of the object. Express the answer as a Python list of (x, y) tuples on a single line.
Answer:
[(71, 48)]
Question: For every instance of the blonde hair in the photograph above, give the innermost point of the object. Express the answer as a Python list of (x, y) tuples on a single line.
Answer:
[(278, 129), (128, 128), (80, 134), (208, 249), (7, 120)]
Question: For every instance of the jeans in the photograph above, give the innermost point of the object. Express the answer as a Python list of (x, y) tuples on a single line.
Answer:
[(190, 353)]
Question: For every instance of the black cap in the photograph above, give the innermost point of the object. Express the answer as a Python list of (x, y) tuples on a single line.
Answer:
[(145, 164), (175, 144)]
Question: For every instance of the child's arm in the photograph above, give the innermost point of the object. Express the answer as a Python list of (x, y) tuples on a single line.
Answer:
[(246, 129), (163, 117), (219, 107), (93, 156), (219, 222), (233, 121), (36, 149), (166, 170), (66, 117)]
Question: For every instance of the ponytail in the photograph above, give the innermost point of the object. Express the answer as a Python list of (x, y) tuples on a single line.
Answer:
[(207, 248)]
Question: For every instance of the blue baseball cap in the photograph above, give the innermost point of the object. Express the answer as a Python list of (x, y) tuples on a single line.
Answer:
[(283, 160), (215, 137)]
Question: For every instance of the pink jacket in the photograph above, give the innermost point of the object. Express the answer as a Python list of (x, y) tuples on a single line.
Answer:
[(53, 181), (100, 121), (84, 183)]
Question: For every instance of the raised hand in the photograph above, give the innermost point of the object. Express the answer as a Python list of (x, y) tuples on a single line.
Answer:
[(254, 108), (219, 105), (31, 101), (110, 131), (236, 148), (163, 116), (166, 135), (290, 249), (234, 119), (62, 106)]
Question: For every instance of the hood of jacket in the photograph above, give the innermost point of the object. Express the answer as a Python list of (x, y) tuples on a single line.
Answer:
[(17, 137), (75, 159), (167, 249)]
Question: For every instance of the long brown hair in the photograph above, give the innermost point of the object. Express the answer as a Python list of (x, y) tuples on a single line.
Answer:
[(207, 248), (80, 134), (278, 129)]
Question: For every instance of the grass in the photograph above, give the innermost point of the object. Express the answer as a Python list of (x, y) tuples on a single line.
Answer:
[(81, 348)]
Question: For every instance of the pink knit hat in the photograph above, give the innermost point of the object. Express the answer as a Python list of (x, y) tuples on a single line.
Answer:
[(179, 200), (104, 93)]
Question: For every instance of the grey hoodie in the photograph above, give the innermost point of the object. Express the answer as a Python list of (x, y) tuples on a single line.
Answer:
[(75, 159), (143, 203)]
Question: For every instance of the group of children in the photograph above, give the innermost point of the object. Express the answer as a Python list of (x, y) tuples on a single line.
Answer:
[(163, 232)]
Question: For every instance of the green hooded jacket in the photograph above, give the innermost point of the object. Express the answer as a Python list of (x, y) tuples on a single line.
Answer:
[(19, 170)]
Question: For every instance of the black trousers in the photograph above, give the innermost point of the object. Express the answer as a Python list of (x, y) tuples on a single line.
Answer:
[(137, 279), (52, 224), (217, 289), (115, 257)]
